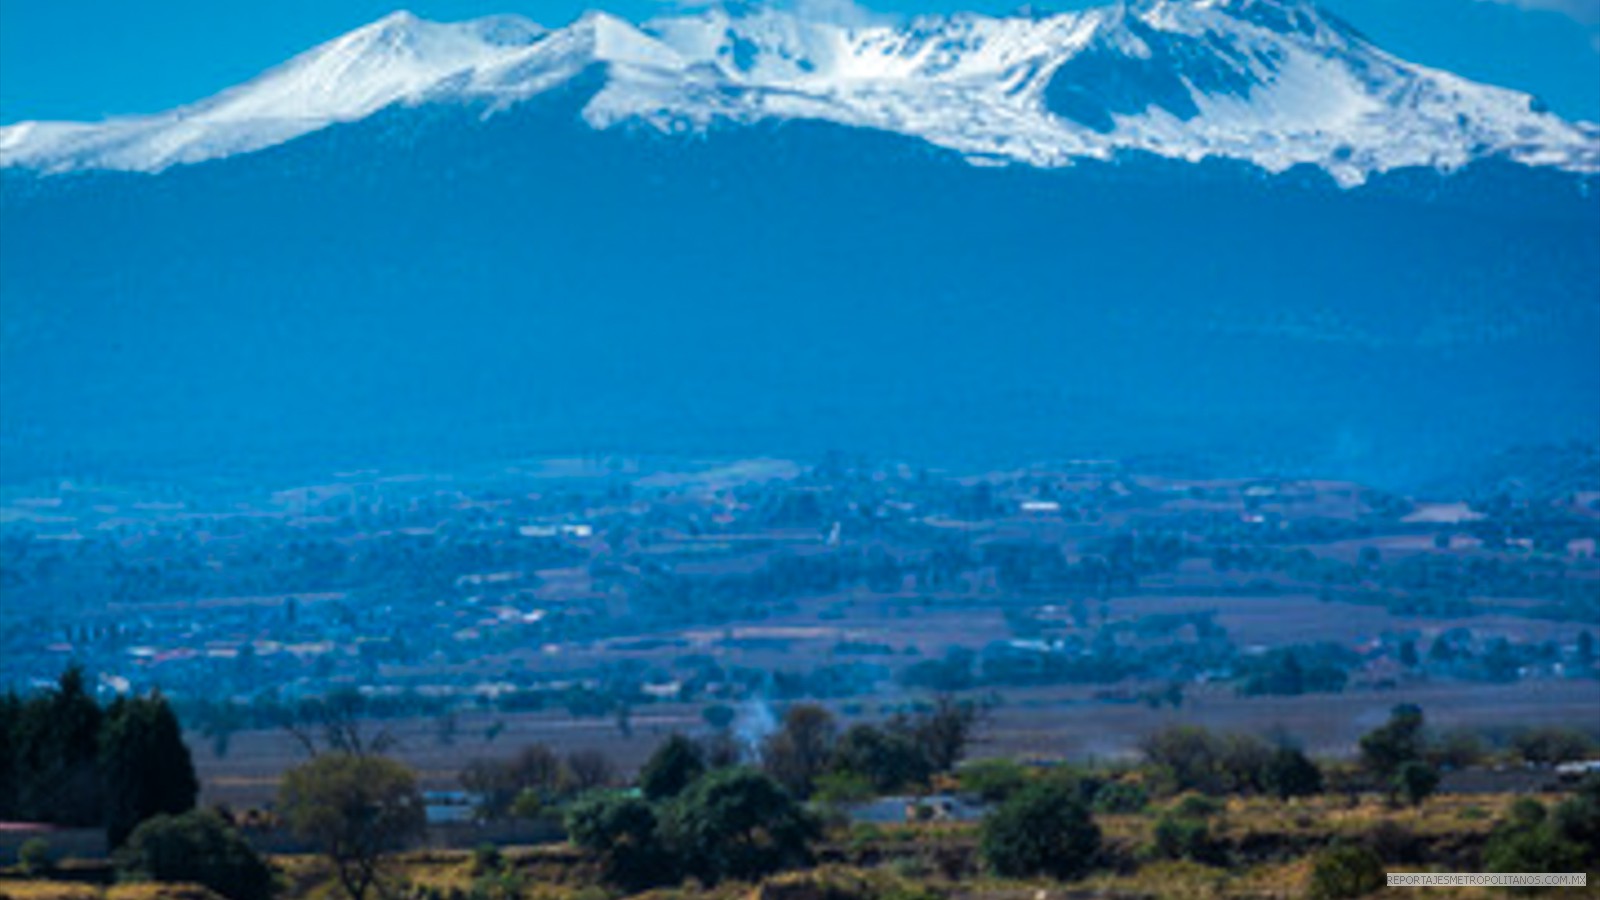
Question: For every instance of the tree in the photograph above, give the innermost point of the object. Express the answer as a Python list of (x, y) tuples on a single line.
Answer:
[(356, 808), (942, 734), (1243, 760), (833, 788), (1408, 653), (10, 723), (622, 831), (197, 847), (798, 752), (718, 715), (1416, 781), (587, 770), (671, 769), (337, 719), (1189, 756), (57, 746), (145, 765), (1386, 748), (534, 771), (1552, 744), (1042, 830), (721, 749), (1458, 748), (1289, 773), (888, 759), (738, 823)]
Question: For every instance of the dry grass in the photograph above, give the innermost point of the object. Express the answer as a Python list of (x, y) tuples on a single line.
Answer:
[(16, 889)]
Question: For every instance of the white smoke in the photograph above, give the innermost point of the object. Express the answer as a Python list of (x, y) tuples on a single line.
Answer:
[(754, 723)]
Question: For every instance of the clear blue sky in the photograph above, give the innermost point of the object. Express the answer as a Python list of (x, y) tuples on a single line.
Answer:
[(85, 59)]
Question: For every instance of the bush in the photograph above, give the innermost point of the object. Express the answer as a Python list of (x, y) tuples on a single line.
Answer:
[(197, 847), (1531, 849), (1396, 843), (1399, 741), (737, 823), (1121, 797), (623, 832), (1552, 745), (889, 759), (1289, 773), (842, 787), (1197, 806), (528, 805), (1042, 830), (1347, 872), (1577, 818), (1534, 840), (486, 858), (1416, 781), (995, 780), (719, 716), (35, 856), (1185, 837), (671, 769), (505, 884)]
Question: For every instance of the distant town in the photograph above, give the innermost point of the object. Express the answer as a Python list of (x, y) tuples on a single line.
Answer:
[(613, 594)]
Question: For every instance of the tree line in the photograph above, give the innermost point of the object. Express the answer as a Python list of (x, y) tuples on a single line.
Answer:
[(67, 760)]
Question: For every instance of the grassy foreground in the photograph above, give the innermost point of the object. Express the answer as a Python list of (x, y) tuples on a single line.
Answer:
[(1267, 844)]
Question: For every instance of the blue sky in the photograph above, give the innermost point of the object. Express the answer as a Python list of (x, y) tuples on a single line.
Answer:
[(86, 59)]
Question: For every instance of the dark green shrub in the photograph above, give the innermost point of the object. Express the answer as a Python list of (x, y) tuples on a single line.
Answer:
[(1345, 872), (1399, 741), (889, 759), (197, 847), (35, 857), (1416, 781), (1289, 773), (672, 768), (1184, 837), (1531, 849), (1121, 797), (1534, 840), (737, 823), (1197, 806), (622, 831), (995, 780), (1577, 818), (486, 858), (1042, 830)]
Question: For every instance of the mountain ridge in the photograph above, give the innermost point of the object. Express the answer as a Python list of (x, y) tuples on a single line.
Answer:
[(432, 284), (1275, 83)]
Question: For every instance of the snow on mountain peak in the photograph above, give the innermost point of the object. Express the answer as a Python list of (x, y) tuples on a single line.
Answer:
[(1274, 82)]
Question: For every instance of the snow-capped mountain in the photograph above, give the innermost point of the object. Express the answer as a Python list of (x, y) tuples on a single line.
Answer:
[(1273, 82)]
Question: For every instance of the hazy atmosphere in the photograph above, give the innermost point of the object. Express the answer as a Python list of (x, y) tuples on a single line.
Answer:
[(508, 451)]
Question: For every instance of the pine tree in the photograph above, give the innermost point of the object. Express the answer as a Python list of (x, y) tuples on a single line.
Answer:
[(145, 765), (57, 745)]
